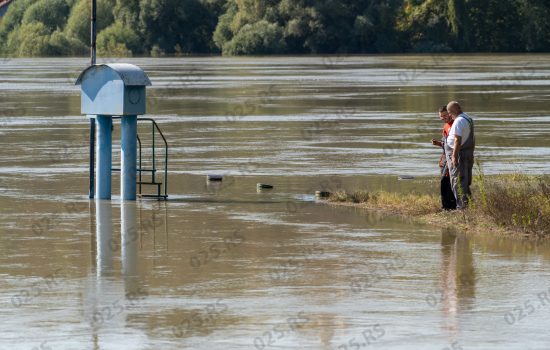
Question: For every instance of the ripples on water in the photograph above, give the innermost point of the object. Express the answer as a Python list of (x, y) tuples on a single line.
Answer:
[(227, 267)]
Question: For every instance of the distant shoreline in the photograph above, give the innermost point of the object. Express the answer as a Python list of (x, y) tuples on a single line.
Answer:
[(331, 56)]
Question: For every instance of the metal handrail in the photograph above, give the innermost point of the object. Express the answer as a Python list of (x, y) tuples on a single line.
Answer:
[(155, 126), (140, 167), (153, 170)]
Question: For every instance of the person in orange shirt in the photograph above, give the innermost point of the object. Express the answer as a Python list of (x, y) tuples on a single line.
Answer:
[(448, 200)]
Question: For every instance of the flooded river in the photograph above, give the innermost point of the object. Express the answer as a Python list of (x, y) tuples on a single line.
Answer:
[(226, 266)]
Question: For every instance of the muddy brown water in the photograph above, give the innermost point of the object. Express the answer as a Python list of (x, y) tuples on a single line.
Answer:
[(223, 266)]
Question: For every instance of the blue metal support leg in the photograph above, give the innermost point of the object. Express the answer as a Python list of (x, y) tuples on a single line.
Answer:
[(91, 191), (104, 156), (128, 158)]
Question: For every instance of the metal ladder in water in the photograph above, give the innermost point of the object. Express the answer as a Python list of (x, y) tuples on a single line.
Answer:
[(162, 186)]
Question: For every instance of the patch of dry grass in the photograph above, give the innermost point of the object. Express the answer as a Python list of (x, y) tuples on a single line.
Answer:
[(505, 203), (409, 204), (518, 202)]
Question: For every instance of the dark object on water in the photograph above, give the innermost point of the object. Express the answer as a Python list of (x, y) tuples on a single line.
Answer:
[(448, 200), (322, 194), (405, 177), (212, 177), (264, 186)]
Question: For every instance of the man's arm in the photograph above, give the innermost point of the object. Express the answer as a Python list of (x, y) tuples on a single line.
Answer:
[(456, 150)]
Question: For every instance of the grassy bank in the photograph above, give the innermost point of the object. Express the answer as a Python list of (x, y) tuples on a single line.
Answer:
[(507, 204)]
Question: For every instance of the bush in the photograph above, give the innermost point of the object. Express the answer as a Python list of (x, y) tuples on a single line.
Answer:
[(157, 52), (52, 13), (223, 32), (260, 38), (61, 45), (177, 26), (12, 19), (29, 40), (78, 23), (117, 40), (519, 202)]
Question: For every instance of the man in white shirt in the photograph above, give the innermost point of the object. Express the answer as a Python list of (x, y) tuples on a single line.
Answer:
[(459, 150)]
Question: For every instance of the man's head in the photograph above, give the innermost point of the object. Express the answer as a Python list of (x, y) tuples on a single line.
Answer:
[(444, 115), (454, 109)]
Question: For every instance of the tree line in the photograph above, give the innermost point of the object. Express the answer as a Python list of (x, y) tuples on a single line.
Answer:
[(262, 27)]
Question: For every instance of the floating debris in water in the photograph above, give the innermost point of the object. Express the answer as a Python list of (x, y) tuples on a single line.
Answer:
[(264, 186), (405, 177), (322, 194), (213, 177)]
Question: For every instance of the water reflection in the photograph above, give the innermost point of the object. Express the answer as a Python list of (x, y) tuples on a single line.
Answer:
[(213, 187), (110, 302), (129, 246), (322, 127), (104, 238), (104, 288), (458, 278)]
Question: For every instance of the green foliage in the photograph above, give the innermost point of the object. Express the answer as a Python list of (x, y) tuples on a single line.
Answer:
[(29, 40), (428, 26), (259, 38), (117, 40), (224, 32), (242, 27), (52, 13), (127, 12), (176, 26), (464, 25), (59, 45), (10, 21), (308, 26), (14, 15), (492, 26), (78, 23), (536, 27)]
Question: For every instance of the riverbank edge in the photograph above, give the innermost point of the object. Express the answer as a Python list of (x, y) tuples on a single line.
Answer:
[(453, 219)]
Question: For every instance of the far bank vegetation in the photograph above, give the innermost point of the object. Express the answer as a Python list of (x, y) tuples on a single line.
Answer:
[(262, 27)]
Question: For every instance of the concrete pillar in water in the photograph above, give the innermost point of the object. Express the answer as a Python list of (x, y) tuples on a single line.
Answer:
[(128, 158), (104, 156)]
